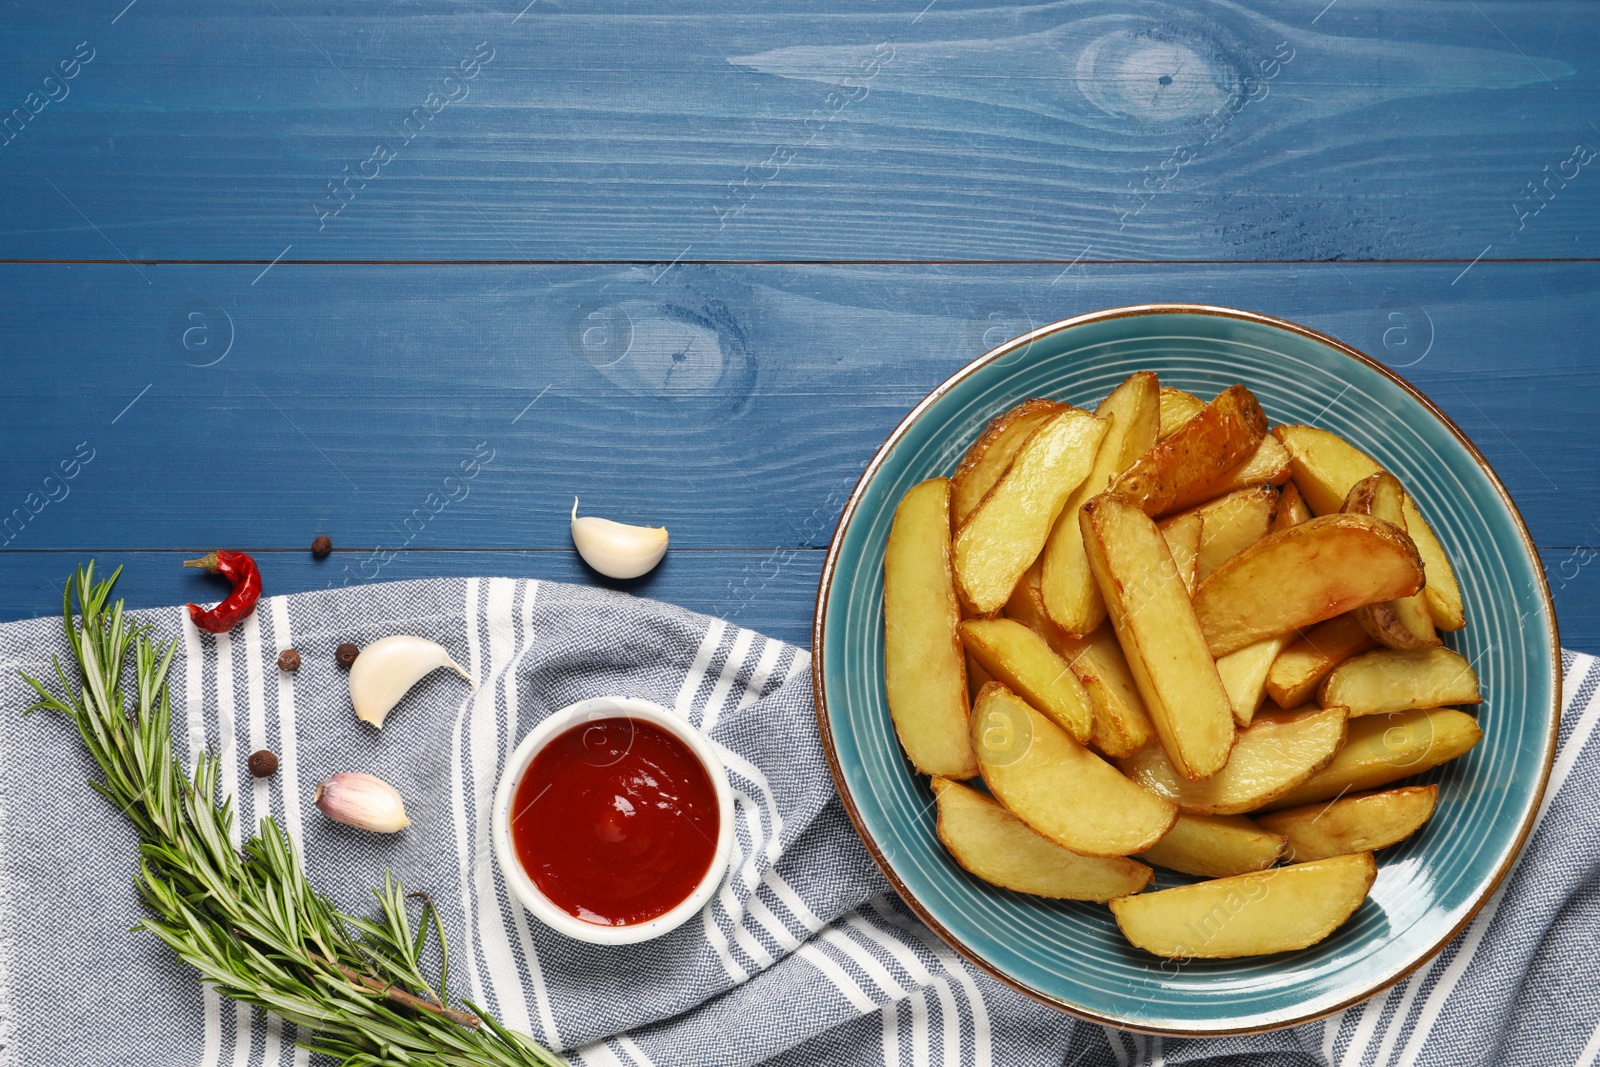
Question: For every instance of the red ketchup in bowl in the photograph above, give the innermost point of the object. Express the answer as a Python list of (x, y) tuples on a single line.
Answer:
[(615, 821)]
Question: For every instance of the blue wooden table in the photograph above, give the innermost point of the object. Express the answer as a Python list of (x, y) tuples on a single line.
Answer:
[(415, 279)]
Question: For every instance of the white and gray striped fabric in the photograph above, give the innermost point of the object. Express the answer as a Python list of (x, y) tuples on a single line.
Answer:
[(804, 957)]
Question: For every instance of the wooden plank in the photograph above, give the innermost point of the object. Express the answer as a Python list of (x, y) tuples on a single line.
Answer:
[(897, 131), (465, 406), (771, 591)]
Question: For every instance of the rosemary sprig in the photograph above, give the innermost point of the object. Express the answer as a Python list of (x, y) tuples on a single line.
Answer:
[(251, 924)]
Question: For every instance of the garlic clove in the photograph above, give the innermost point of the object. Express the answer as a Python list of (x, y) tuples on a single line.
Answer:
[(387, 669), (615, 549), (362, 801)]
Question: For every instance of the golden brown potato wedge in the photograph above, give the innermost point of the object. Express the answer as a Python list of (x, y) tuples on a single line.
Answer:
[(1159, 635), (1274, 755), (1177, 408), (923, 664), (1325, 466), (1023, 660), (998, 847), (1279, 910), (1300, 576), (977, 678), (1292, 510), (1215, 846), (989, 456), (1026, 605), (1230, 524), (1121, 724), (1132, 413), (1003, 535), (1182, 535), (1197, 456), (1244, 674), (1403, 623), (1267, 465), (1389, 679), (1356, 822), (1380, 749), (1058, 787), (1300, 668)]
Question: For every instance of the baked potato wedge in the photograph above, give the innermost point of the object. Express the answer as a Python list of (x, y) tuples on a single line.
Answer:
[(998, 847), (1160, 637), (1292, 509), (1177, 408), (1132, 414), (1356, 822), (1305, 574), (1121, 724), (923, 664), (1274, 755), (1403, 623), (1244, 675), (1392, 679), (1277, 910), (1325, 466), (977, 678), (1182, 535), (1013, 654), (1184, 467), (1058, 787), (1230, 524), (1004, 534), (1300, 668), (1267, 465), (1380, 749), (1215, 846), (1244, 672), (1026, 605), (988, 457)]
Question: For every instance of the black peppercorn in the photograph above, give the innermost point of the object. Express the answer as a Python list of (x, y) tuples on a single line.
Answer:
[(346, 654), (288, 660), (321, 545), (263, 764)]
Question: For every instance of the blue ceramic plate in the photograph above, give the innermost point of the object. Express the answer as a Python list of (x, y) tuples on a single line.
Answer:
[(1071, 955)]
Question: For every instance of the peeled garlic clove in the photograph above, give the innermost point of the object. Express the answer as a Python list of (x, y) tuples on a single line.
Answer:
[(362, 801), (387, 669), (617, 550)]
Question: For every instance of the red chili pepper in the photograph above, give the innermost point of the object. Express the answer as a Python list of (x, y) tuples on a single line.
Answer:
[(242, 571)]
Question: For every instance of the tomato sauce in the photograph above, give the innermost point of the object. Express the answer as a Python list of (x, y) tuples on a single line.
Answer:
[(615, 821)]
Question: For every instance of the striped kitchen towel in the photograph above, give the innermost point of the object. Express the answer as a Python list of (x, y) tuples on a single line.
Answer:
[(805, 956)]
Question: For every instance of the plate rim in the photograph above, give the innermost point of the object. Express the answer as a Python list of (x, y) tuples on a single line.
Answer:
[(819, 649)]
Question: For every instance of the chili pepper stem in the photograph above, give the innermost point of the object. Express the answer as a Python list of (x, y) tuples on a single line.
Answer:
[(208, 562)]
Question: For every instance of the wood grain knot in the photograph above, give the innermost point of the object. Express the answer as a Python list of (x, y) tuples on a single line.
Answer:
[(1155, 74)]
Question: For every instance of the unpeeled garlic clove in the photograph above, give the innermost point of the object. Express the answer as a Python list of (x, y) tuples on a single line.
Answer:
[(617, 550), (388, 668), (362, 801)]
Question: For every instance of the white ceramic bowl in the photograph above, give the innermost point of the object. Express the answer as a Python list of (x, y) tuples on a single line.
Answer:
[(522, 886)]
